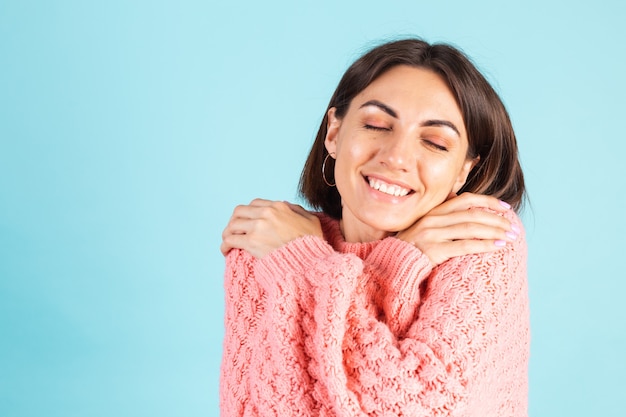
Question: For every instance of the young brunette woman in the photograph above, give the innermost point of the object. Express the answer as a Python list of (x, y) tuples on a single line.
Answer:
[(406, 294)]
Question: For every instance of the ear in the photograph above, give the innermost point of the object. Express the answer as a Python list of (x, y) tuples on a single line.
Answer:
[(468, 165), (332, 129)]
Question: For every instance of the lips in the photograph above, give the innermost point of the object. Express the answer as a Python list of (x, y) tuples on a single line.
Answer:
[(388, 188)]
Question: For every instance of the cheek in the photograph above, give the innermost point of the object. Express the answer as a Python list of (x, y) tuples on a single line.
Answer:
[(345, 177), (350, 155), (439, 173)]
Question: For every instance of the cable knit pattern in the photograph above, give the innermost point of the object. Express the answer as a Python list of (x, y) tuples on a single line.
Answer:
[(322, 327)]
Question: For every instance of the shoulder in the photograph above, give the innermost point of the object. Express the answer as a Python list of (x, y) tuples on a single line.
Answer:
[(508, 263), (330, 226)]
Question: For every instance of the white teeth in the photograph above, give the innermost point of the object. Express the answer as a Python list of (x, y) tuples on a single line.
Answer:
[(386, 188)]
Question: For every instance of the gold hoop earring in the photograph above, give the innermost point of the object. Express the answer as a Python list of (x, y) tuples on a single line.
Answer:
[(324, 170)]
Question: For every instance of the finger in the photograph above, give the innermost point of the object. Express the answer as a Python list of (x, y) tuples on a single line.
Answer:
[(268, 208), (469, 231), (227, 245), (467, 247), (225, 248), (239, 226), (469, 216), (232, 241), (242, 212), (251, 210), (469, 200), (257, 209), (260, 202)]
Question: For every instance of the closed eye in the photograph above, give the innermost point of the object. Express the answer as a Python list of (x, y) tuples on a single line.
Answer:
[(377, 128), (436, 146)]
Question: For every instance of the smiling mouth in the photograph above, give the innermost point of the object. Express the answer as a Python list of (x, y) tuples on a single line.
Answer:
[(385, 187)]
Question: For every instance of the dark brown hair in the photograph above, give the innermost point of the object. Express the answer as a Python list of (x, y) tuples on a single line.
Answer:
[(489, 131)]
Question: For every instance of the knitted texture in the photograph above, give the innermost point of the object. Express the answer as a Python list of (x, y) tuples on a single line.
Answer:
[(330, 328)]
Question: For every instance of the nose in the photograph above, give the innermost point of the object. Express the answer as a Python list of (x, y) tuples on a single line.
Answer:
[(398, 152)]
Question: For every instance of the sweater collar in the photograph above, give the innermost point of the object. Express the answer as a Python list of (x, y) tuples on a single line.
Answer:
[(332, 234)]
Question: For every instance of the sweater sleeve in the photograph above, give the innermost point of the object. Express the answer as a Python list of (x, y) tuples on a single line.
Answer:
[(244, 305), (449, 351)]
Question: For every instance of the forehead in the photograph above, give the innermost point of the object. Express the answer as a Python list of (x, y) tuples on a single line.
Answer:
[(403, 81)]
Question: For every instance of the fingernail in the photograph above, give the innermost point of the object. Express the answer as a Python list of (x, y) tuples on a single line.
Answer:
[(500, 243), (511, 235), (505, 204), (515, 228)]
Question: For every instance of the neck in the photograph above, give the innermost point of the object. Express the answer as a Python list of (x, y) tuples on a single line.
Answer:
[(353, 234)]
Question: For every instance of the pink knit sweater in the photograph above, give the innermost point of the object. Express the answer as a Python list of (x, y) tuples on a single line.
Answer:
[(329, 328)]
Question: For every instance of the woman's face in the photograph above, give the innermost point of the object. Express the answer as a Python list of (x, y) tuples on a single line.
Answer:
[(400, 151)]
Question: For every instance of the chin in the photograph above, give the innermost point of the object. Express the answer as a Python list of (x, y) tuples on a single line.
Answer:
[(390, 226)]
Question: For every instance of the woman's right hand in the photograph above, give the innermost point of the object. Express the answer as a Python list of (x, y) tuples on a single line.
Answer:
[(459, 227), (263, 226)]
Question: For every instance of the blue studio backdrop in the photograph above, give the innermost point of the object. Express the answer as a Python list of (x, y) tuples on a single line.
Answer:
[(129, 130)]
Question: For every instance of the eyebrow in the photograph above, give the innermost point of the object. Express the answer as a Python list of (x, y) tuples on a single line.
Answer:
[(391, 112), (442, 123), (428, 123)]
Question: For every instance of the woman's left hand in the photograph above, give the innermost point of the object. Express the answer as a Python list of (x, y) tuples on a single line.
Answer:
[(264, 225), (454, 229)]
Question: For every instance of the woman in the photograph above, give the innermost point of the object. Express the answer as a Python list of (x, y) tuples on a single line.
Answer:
[(406, 295)]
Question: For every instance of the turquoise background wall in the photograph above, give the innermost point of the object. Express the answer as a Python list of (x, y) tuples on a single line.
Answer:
[(130, 129)]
